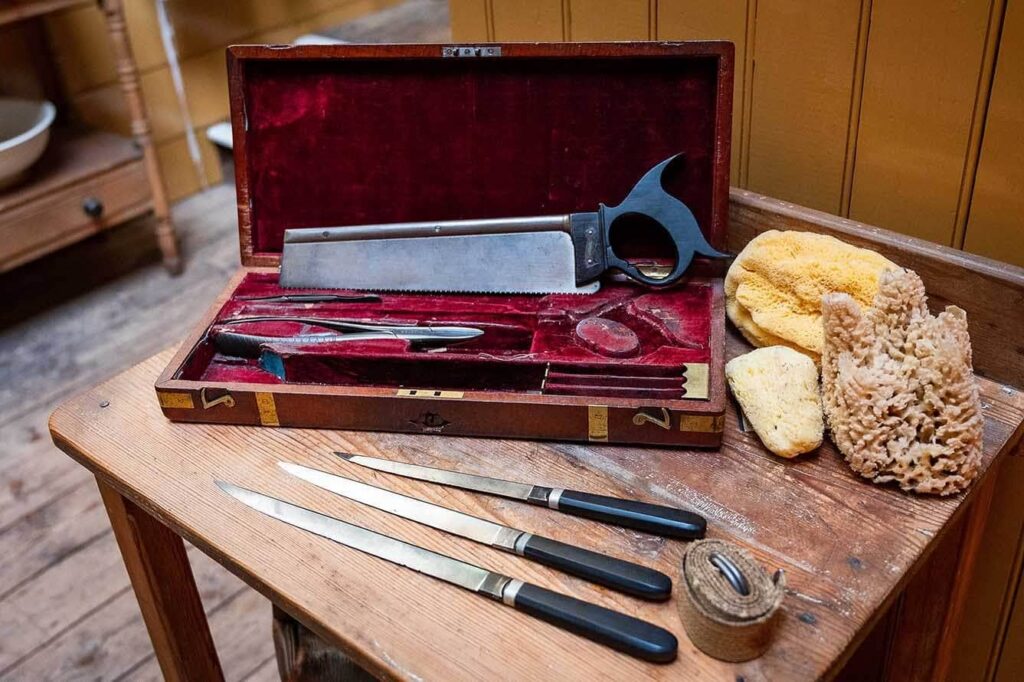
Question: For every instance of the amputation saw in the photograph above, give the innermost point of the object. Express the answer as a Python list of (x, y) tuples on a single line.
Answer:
[(534, 255)]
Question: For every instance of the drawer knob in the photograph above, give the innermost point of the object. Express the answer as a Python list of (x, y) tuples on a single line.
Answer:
[(93, 207)]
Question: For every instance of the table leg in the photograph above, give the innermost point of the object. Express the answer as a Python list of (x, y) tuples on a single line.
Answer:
[(162, 578)]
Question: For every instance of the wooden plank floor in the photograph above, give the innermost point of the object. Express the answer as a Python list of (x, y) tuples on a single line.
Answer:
[(67, 322), (66, 608)]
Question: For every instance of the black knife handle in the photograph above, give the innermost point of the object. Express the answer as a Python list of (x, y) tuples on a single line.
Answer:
[(611, 628), (649, 518), (617, 574)]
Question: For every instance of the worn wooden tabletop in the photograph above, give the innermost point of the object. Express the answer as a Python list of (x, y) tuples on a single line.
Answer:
[(847, 545)]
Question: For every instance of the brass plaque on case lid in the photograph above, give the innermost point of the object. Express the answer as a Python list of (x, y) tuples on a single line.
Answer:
[(175, 401), (428, 393), (702, 423), (697, 379), (597, 422), (267, 408)]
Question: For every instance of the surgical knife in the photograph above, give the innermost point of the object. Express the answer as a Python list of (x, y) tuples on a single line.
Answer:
[(642, 516), (246, 345), (611, 628), (617, 574)]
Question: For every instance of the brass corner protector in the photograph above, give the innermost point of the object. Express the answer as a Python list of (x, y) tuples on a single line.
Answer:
[(175, 401), (597, 423), (267, 408), (697, 380)]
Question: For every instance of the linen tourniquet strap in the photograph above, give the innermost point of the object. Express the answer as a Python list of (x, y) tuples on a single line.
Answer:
[(719, 618)]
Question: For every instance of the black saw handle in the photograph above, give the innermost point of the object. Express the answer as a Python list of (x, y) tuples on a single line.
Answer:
[(650, 518), (617, 574), (591, 232), (611, 628)]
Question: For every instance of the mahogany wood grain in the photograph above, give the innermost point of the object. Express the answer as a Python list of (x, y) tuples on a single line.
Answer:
[(848, 546), (165, 589)]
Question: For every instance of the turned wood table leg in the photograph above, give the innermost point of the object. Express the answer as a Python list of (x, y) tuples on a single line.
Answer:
[(166, 591), (128, 77)]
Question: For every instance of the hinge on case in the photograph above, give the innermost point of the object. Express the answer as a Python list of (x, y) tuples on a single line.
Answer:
[(471, 51)]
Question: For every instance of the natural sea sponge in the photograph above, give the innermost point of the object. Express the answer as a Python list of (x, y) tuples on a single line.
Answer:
[(777, 387), (899, 392), (774, 287)]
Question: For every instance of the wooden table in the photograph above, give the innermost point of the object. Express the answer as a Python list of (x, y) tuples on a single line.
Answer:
[(847, 546)]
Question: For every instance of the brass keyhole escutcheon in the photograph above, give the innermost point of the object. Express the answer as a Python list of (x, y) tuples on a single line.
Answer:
[(645, 417), (225, 400)]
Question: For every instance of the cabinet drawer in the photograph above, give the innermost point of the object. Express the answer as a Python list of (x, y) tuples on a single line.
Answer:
[(72, 213)]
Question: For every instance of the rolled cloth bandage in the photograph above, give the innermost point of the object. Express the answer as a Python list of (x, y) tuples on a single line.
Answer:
[(720, 620)]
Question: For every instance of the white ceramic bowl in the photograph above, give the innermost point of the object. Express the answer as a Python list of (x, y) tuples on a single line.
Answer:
[(24, 132)]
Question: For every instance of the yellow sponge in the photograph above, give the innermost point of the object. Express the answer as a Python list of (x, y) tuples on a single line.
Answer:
[(774, 287), (777, 387)]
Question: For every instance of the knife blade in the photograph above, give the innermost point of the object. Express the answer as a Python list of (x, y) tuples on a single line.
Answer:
[(643, 516), (611, 628), (617, 574)]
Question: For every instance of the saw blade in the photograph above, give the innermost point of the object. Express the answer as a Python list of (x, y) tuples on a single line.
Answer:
[(513, 263)]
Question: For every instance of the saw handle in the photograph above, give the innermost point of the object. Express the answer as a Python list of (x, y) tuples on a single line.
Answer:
[(649, 199)]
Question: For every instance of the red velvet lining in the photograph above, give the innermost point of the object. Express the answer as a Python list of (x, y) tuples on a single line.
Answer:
[(529, 344), (356, 141)]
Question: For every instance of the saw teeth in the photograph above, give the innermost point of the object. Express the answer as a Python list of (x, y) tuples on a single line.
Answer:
[(466, 291)]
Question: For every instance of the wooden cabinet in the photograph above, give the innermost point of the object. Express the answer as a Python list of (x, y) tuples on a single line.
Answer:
[(87, 181)]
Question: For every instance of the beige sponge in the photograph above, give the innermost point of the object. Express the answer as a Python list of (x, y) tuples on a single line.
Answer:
[(774, 287), (777, 387)]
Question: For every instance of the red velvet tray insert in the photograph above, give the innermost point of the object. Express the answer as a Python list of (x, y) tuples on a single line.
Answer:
[(530, 343)]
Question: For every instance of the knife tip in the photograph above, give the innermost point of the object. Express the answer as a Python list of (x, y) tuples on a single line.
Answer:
[(344, 455)]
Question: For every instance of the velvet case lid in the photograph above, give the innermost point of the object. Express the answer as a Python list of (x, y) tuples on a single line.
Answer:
[(360, 134)]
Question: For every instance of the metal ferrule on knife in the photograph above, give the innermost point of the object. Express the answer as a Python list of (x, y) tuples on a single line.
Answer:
[(616, 574)]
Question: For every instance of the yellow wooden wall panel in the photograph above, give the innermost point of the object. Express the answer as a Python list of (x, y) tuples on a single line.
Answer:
[(995, 227), (608, 20), (202, 25), (804, 61), (206, 87), (469, 20), (81, 48), (344, 11), (723, 20), (104, 107), (527, 20), (920, 86)]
